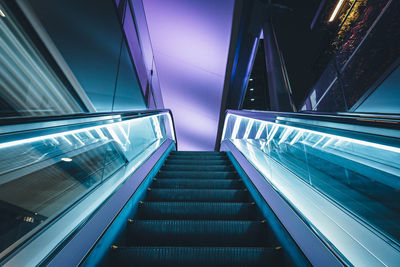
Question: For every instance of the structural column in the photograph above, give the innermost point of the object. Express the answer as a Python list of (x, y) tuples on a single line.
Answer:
[(278, 82)]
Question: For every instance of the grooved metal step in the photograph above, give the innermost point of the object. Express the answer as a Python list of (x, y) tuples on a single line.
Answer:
[(204, 195), (197, 211), (198, 174), (198, 162), (200, 157), (198, 256), (194, 167), (199, 233), (198, 183), (197, 153)]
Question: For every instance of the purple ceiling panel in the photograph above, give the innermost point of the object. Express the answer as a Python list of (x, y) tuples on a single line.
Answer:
[(190, 42)]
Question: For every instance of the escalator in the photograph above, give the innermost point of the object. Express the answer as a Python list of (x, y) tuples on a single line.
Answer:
[(349, 188), (340, 172), (284, 190), (197, 212), (56, 171)]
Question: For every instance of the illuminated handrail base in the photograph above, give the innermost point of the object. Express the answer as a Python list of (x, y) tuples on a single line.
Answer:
[(43, 175), (347, 189)]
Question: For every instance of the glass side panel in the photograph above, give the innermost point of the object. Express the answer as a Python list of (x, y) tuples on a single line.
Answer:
[(360, 177), (29, 86), (43, 175), (128, 94)]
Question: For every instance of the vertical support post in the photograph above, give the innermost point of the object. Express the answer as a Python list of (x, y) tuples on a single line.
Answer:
[(341, 83), (277, 81)]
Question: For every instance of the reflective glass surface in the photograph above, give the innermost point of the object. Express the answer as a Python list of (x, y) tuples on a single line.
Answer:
[(93, 45), (29, 85), (359, 178), (46, 173)]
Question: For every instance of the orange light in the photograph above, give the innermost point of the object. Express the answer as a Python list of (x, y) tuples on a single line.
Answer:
[(337, 8)]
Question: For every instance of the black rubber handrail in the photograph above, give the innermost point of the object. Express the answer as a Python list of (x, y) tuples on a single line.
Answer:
[(375, 128), (45, 124), (390, 121), (34, 119)]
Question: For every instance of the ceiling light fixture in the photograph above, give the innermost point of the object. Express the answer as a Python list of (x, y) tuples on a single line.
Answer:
[(252, 99), (66, 159), (2, 13), (251, 89), (337, 8)]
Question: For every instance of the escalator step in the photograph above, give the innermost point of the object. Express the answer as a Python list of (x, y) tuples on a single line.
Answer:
[(194, 167), (197, 211), (197, 153), (199, 157), (198, 162), (209, 195), (199, 233), (197, 256), (198, 174), (198, 184)]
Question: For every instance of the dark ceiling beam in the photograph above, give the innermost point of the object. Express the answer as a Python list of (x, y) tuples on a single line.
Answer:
[(251, 24), (246, 28), (280, 93), (319, 10), (249, 18)]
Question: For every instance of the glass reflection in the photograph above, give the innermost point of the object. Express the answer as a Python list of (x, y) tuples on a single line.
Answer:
[(42, 176), (360, 176)]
